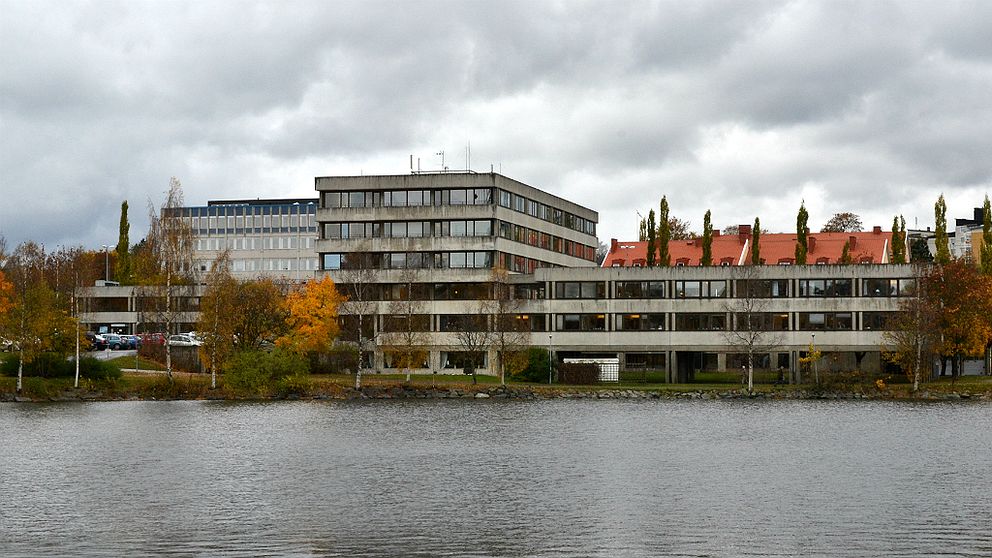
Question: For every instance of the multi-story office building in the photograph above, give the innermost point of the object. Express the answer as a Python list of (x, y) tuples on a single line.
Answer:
[(266, 238)]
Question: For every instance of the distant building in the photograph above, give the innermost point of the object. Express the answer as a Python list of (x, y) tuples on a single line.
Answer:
[(775, 249)]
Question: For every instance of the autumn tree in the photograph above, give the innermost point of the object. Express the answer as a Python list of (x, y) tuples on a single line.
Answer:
[(259, 314), (642, 230), (986, 250), (122, 253), (756, 242), (964, 297), (652, 239), (802, 230), (707, 258), (218, 307), (843, 222), (664, 234), (312, 317), (943, 254)]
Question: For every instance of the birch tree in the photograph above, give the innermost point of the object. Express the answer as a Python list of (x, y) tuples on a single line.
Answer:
[(750, 325)]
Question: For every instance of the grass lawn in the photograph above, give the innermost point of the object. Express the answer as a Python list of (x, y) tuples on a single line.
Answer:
[(143, 363)]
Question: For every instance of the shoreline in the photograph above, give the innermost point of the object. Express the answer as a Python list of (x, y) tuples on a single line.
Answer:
[(510, 392)]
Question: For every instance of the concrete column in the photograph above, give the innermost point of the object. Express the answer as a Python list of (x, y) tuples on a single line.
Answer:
[(721, 361)]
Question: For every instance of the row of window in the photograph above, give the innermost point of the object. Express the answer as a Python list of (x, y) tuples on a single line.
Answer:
[(408, 229), (538, 239), (545, 212), (256, 243), (408, 198), (409, 260), (765, 288), (302, 207), (694, 321)]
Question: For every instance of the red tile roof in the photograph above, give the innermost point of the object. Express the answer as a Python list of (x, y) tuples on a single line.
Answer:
[(776, 248)]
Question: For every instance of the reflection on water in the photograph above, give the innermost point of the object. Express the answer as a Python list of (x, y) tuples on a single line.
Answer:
[(496, 478)]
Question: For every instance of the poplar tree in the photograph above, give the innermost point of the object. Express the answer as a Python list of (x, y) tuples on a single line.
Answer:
[(801, 230), (755, 242), (652, 234), (122, 260), (707, 258), (898, 247), (664, 235), (943, 255), (642, 230), (986, 238)]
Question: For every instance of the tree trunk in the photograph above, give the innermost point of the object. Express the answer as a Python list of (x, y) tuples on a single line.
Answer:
[(750, 372)]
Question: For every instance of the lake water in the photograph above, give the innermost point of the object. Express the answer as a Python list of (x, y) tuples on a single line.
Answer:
[(496, 478)]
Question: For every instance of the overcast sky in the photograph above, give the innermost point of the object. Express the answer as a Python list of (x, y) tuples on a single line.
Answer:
[(744, 108)]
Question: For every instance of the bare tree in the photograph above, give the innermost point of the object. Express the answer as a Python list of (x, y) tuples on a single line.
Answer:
[(510, 333), (167, 271), (911, 338), (406, 327), (475, 337), (751, 325), (359, 282)]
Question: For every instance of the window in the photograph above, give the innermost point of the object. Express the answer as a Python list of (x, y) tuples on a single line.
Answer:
[(836, 321), (877, 321), (640, 322), (580, 289), (700, 322), (331, 261), (580, 322), (700, 289), (762, 321), (825, 287)]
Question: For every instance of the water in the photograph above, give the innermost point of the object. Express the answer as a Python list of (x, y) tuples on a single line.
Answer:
[(496, 478)]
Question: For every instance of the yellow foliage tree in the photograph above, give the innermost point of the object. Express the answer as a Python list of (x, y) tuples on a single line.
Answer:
[(313, 317), (6, 296)]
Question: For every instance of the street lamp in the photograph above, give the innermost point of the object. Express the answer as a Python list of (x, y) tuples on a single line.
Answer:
[(550, 360), (106, 257)]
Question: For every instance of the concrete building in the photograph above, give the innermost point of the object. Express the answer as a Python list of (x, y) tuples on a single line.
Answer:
[(266, 237)]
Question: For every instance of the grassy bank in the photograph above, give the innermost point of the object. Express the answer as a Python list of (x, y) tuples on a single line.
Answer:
[(156, 386)]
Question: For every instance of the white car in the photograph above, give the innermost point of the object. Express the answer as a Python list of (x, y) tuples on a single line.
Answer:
[(183, 340)]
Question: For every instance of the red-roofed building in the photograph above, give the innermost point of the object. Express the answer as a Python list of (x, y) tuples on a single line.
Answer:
[(776, 249)]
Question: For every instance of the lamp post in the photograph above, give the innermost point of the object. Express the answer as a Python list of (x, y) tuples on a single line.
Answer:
[(550, 360), (106, 258)]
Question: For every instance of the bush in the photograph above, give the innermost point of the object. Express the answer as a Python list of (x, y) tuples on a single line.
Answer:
[(45, 365), (537, 366), (575, 373), (94, 369), (342, 359), (255, 371), (297, 384)]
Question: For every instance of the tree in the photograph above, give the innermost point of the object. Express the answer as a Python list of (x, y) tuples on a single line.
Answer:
[(707, 258), (359, 280), (843, 222), (986, 250), (312, 318), (652, 239), (510, 333), (405, 327), (845, 253), (6, 297), (801, 231), (475, 337), (910, 337), (602, 250), (679, 229), (169, 271), (642, 230), (756, 242), (218, 308), (898, 241), (259, 314), (964, 298), (731, 230), (919, 251), (122, 253), (664, 234), (751, 328), (943, 254)]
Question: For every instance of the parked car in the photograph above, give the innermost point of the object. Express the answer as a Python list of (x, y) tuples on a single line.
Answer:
[(6, 345), (115, 342), (184, 340), (152, 338), (131, 341), (97, 342)]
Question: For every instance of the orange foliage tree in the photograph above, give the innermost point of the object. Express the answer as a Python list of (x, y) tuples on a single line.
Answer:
[(964, 298), (312, 317)]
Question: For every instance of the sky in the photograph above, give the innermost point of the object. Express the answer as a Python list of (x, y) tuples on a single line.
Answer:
[(744, 108)]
